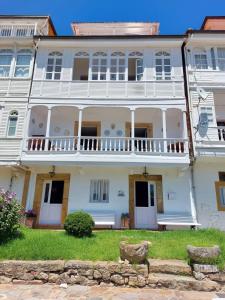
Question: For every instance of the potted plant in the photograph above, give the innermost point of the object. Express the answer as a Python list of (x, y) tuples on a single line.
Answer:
[(125, 220), (30, 217)]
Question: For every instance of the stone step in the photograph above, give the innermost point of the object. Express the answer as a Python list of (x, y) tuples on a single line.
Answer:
[(170, 281), (170, 266)]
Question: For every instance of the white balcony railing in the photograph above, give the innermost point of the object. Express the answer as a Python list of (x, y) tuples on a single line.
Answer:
[(20, 31), (111, 145), (108, 89), (14, 86), (207, 76)]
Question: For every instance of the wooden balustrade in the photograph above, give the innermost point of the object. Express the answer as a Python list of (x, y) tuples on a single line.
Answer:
[(106, 145)]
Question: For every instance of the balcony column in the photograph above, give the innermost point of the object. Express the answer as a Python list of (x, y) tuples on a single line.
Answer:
[(47, 134), (164, 129), (27, 126), (79, 128), (132, 128), (185, 133)]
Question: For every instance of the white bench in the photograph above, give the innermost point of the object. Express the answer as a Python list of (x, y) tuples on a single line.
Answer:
[(174, 219), (103, 218)]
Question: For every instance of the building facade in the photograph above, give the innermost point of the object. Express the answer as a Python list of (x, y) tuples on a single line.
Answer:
[(107, 121)]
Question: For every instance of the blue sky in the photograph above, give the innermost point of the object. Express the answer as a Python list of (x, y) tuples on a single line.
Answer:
[(175, 16)]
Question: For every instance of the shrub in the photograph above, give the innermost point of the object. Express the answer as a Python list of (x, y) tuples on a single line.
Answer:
[(10, 215), (79, 224)]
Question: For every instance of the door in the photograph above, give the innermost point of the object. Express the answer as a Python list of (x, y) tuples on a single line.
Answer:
[(145, 204), (88, 143), (51, 204)]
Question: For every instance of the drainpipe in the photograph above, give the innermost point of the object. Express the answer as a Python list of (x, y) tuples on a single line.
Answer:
[(189, 127)]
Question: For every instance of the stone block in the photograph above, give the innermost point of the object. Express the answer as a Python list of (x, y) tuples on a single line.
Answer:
[(134, 253), (169, 266), (203, 255), (205, 269), (117, 279)]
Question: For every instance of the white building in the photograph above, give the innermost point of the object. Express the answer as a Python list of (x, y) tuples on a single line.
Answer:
[(205, 54), (16, 69), (106, 127)]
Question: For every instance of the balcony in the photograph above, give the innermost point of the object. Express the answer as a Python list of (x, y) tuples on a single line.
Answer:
[(212, 77), (19, 31), (14, 87), (105, 134), (108, 89)]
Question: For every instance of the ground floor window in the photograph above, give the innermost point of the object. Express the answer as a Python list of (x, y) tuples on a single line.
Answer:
[(220, 195), (99, 191)]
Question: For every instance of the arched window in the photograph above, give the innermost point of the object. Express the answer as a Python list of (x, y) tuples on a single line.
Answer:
[(200, 57), (163, 65), (12, 123), (6, 56), (23, 60), (99, 66), (117, 66), (54, 66), (81, 54)]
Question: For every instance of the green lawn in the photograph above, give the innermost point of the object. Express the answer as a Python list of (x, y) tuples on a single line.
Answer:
[(103, 245)]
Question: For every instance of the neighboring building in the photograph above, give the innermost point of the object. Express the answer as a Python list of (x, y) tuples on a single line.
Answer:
[(106, 127), (17, 51), (205, 52)]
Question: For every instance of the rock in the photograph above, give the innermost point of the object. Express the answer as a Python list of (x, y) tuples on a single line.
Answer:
[(4, 280), (77, 264), (137, 281), (25, 276), (219, 277), (97, 274), (117, 279), (172, 266), (181, 282), (205, 269), (32, 282), (12, 267), (53, 278), (134, 253), (42, 276), (198, 275), (63, 285), (78, 280), (203, 255)]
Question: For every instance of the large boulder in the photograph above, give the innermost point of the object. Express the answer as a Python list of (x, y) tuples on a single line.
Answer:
[(134, 253), (203, 255)]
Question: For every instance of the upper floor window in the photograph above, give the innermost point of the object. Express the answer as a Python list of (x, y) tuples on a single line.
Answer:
[(54, 66), (163, 65), (206, 115), (81, 66), (6, 56), (99, 66), (117, 66), (221, 58), (23, 60), (135, 66), (12, 123), (201, 62)]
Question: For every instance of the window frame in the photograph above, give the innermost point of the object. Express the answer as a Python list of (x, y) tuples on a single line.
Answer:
[(7, 52), (12, 114), (99, 55), (200, 52), (218, 186), (163, 65), (211, 121), (117, 56), (97, 182), (23, 52), (54, 55)]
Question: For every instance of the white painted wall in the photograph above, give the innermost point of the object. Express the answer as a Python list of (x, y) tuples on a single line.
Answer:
[(206, 173), (174, 182)]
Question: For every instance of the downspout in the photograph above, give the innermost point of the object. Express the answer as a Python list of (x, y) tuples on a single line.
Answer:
[(190, 133)]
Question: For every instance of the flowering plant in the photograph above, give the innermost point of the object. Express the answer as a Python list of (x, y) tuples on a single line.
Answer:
[(30, 213), (10, 214)]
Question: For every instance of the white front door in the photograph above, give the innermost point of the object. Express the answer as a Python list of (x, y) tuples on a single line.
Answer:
[(145, 204), (51, 204)]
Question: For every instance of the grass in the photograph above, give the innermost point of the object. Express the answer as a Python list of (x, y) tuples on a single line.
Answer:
[(103, 245)]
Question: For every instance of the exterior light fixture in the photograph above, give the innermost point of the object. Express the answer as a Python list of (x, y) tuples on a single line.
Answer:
[(52, 172), (145, 173)]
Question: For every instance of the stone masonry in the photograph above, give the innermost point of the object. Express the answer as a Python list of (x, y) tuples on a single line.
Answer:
[(173, 274)]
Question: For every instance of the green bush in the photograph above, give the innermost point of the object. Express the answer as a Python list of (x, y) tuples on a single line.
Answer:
[(10, 215), (79, 224)]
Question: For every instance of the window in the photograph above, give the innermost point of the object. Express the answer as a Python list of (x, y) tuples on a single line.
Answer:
[(99, 66), (99, 191), (54, 66), (163, 66), (23, 59), (206, 114), (222, 176), (220, 195), (81, 66), (12, 123), (5, 62), (201, 62), (213, 58), (117, 66), (221, 58), (135, 66)]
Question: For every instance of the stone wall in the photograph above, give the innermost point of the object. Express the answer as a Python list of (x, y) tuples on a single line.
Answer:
[(157, 273)]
